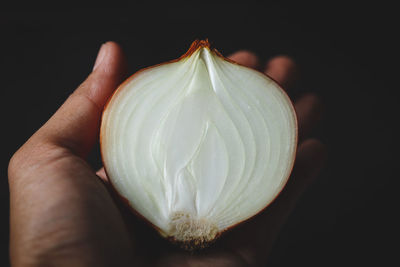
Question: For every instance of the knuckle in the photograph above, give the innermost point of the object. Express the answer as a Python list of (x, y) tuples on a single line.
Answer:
[(14, 163), (17, 165), (30, 156)]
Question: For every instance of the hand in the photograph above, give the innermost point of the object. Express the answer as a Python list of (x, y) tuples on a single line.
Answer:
[(62, 213)]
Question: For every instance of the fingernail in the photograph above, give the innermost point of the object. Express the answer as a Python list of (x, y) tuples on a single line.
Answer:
[(100, 56)]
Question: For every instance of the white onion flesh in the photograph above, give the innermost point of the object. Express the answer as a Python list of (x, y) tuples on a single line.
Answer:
[(198, 145)]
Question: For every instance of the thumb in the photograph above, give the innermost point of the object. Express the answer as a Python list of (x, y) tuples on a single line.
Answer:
[(75, 125)]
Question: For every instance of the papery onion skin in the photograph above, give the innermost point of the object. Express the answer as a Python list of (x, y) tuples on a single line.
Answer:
[(195, 243)]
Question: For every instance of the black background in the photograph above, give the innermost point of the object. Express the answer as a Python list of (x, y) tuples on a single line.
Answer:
[(346, 53)]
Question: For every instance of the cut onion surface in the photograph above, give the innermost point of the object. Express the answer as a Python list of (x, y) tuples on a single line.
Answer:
[(199, 144)]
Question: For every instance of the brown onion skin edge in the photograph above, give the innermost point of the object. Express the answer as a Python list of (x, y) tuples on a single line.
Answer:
[(197, 44)]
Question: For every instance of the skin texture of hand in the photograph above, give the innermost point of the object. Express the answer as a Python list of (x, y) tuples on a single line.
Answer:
[(63, 214)]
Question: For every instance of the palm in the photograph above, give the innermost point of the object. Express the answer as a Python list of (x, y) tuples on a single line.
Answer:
[(62, 213)]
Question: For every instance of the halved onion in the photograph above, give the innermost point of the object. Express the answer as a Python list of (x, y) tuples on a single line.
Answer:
[(199, 144)]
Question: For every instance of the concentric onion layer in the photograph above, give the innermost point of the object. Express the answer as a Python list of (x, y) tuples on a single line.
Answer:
[(200, 138)]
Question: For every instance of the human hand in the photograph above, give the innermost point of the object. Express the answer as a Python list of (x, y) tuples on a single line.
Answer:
[(62, 213)]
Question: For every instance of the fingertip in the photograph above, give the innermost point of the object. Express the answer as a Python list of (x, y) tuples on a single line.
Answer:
[(102, 174), (282, 69), (312, 155), (112, 45), (109, 71), (282, 60), (309, 109), (311, 102), (110, 59), (100, 56), (245, 58), (314, 146), (117, 52)]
